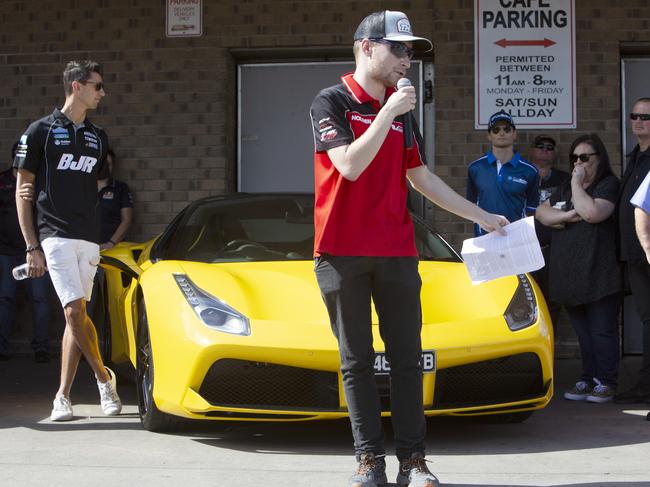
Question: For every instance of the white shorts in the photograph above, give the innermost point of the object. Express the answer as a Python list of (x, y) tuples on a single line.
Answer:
[(72, 265)]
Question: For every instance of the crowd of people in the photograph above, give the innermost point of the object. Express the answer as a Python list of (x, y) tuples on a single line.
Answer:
[(586, 227), (591, 226)]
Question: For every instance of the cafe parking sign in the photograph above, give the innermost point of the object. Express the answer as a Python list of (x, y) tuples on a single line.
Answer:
[(524, 62)]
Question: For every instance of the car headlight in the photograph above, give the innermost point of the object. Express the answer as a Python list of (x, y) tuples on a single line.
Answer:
[(522, 310), (211, 310)]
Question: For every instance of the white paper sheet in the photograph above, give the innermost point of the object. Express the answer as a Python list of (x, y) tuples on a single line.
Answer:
[(492, 256)]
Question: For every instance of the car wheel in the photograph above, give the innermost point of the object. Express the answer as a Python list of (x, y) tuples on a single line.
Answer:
[(151, 417)]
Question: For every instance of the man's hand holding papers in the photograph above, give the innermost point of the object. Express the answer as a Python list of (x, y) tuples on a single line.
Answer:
[(496, 255)]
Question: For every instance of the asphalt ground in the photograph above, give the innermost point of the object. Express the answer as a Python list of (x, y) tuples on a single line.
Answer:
[(566, 444)]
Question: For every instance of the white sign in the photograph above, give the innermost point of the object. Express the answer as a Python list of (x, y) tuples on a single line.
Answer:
[(524, 62), (184, 18)]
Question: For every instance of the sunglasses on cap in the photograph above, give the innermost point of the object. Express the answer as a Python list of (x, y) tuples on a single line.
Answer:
[(505, 128), (643, 116), (99, 85), (546, 146), (583, 157), (398, 49)]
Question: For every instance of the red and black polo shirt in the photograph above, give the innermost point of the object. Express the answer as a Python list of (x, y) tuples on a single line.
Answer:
[(369, 216)]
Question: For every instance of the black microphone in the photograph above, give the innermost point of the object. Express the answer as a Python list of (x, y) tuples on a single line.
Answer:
[(407, 121)]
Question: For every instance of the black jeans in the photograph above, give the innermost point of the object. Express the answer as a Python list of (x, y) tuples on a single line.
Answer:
[(347, 285), (596, 325), (639, 276)]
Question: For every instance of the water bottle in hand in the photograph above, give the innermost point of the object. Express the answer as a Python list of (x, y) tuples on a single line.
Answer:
[(21, 272)]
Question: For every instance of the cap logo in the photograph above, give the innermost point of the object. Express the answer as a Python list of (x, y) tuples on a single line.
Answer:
[(404, 26)]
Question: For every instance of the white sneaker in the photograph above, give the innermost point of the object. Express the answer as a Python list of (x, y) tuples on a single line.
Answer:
[(111, 404), (61, 409)]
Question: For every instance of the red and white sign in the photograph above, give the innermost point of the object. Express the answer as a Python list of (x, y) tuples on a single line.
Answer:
[(524, 62), (184, 18)]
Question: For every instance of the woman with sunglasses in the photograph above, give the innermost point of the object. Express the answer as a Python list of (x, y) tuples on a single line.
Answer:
[(584, 272)]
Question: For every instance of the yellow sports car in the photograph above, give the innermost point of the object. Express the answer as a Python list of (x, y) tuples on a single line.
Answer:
[(222, 319)]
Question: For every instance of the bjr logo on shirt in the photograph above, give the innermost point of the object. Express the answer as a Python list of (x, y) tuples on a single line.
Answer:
[(85, 163)]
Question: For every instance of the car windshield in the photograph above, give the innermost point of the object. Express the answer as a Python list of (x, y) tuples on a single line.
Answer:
[(245, 228)]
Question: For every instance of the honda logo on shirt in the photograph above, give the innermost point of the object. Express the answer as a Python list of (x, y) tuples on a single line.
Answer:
[(85, 163)]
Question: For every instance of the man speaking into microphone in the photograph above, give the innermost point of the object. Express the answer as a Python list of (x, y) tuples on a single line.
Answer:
[(364, 245)]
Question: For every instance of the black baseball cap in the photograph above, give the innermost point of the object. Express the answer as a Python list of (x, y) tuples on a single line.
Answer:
[(540, 139), (392, 26), (501, 116)]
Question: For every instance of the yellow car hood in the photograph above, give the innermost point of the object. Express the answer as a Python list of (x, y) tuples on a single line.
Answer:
[(288, 291)]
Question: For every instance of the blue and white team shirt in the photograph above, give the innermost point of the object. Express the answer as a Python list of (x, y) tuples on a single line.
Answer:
[(511, 190)]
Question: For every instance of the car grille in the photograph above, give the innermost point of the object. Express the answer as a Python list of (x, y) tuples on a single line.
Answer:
[(501, 380), (262, 385)]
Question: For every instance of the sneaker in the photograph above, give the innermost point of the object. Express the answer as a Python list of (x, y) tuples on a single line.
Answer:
[(601, 393), (111, 404), (61, 409), (414, 473), (580, 391), (631, 396), (371, 471)]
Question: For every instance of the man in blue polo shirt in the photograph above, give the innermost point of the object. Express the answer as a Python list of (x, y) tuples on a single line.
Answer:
[(501, 181)]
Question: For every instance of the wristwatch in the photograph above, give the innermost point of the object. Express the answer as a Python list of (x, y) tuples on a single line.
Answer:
[(31, 248)]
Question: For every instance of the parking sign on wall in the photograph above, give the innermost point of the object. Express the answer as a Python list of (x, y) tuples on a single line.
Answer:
[(524, 62), (184, 18)]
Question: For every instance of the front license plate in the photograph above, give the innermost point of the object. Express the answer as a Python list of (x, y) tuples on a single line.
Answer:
[(428, 362)]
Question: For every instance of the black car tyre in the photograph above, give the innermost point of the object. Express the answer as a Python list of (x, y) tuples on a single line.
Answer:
[(151, 417)]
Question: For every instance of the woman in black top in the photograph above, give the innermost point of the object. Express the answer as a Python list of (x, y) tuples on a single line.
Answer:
[(584, 272)]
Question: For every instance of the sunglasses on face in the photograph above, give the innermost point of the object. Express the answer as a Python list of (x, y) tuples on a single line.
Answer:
[(548, 147), (643, 116), (507, 129), (398, 49), (99, 85), (583, 157)]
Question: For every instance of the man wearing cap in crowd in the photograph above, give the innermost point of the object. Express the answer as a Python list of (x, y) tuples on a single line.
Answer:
[(501, 181), (543, 155), (364, 240)]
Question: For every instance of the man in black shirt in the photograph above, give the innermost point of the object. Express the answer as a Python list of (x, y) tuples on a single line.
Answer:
[(630, 250), (115, 207), (115, 217), (62, 155), (543, 155), (12, 254)]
